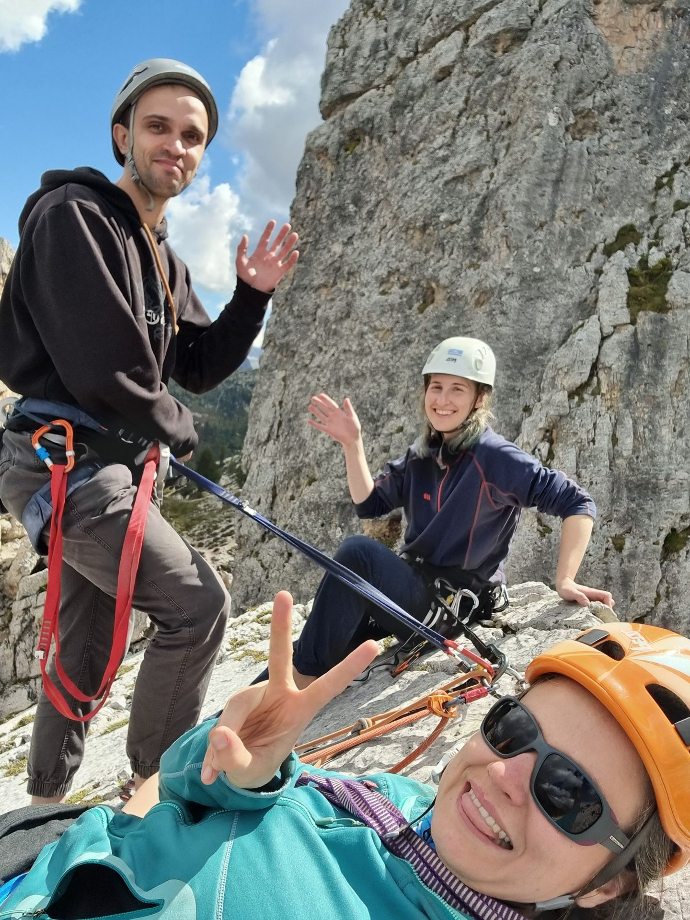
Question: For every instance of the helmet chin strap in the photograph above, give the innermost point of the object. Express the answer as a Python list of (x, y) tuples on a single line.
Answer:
[(129, 157)]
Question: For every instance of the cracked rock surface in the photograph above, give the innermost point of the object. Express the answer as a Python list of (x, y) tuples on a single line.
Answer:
[(511, 170), (535, 620)]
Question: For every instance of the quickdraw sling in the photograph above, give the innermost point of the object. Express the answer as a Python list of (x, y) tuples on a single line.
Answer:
[(127, 573)]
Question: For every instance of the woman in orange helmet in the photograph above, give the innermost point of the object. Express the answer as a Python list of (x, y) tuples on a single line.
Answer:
[(595, 752), (577, 793)]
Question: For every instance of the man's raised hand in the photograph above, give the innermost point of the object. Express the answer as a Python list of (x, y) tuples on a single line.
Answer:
[(261, 723), (265, 267)]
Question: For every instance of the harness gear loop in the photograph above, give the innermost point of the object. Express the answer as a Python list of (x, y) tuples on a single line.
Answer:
[(129, 563)]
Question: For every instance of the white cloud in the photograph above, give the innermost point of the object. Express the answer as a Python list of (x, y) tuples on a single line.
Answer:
[(26, 20), (205, 227), (275, 101), (254, 88), (259, 340), (274, 105)]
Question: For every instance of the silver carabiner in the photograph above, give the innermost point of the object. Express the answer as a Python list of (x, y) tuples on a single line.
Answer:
[(6, 406), (457, 600), (517, 677)]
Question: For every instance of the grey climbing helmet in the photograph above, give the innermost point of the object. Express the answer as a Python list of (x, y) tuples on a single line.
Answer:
[(158, 72)]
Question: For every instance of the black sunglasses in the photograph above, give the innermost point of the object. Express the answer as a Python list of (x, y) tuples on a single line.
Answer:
[(562, 790)]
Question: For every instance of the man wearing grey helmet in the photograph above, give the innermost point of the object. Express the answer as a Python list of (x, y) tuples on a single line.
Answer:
[(97, 314)]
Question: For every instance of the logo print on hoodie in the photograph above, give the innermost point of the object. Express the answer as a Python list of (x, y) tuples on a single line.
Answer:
[(154, 309)]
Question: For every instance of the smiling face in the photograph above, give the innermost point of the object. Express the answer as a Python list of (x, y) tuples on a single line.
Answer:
[(488, 829), (448, 401), (170, 131)]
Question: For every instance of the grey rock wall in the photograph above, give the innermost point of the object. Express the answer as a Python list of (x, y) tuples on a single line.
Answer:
[(22, 592), (6, 256), (23, 581), (515, 171), (536, 619)]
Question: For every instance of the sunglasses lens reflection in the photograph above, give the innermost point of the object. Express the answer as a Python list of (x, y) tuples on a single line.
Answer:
[(509, 729), (566, 795)]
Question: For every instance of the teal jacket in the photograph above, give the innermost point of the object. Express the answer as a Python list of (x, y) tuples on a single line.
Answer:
[(221, 853)]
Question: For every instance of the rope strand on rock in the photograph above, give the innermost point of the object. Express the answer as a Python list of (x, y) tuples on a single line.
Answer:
[(443, 702)]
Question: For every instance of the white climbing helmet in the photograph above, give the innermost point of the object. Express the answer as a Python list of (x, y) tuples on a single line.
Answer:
[(463, 357)]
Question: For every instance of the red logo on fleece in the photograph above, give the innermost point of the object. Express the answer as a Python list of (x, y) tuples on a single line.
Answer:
[(427, 496)]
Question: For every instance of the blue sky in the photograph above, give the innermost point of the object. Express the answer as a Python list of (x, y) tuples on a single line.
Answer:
[(62, 62)]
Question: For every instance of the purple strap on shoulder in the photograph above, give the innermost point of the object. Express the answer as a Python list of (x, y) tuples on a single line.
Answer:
[(376, 811)]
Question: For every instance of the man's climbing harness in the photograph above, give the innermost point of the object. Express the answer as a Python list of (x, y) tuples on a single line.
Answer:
[(129, 564)]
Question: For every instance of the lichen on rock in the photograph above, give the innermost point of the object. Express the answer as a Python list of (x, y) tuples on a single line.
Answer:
[(521, 171)]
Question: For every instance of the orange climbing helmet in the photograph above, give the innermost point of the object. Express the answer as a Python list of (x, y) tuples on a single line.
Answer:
[(641, 674)]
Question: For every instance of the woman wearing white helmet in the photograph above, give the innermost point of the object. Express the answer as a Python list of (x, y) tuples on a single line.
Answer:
[(462, 488)]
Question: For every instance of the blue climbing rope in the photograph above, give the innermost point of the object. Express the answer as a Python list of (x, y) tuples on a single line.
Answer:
[(332, 566)]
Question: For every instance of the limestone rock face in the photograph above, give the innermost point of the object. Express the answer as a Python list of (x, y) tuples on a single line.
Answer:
[(535, 620), (6, 256), (513, 170)]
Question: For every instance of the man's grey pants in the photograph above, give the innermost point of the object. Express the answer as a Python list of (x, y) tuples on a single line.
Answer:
[(179, 591)]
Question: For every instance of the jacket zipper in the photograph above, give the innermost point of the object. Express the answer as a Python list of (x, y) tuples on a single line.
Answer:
[(441, 487), (23, 913)]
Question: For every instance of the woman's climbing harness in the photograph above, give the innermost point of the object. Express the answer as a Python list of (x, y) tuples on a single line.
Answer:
[(338, 570)]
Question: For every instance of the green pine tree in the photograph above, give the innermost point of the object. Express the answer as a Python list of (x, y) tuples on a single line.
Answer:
[(206, 464)]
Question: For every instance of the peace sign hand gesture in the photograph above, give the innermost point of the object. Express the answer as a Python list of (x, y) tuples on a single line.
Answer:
[(260, 724), (265, 267)]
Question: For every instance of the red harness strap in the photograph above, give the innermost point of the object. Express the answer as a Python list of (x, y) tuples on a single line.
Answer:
[(126, 580)]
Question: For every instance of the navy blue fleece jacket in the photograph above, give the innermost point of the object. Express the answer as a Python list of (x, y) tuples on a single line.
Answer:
[(463, 509)]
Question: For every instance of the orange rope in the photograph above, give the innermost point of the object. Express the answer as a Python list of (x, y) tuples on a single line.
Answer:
[(318, 752), (323, 755), (406, 761)]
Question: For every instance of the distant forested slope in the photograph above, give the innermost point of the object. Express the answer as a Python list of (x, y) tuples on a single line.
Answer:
[(220, 416)]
